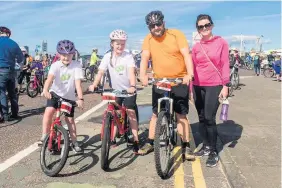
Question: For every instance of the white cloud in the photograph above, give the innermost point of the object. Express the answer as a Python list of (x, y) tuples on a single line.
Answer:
[(262, 17)]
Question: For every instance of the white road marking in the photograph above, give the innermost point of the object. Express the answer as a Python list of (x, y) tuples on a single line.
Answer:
[(243, 77), (22, 154)]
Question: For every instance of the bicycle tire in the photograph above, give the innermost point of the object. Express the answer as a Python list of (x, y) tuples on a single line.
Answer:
[(28, 91), (65, 150), (106, 143), (87, 74), (236, 81), (230, 91), (161, 172), (268, 72)]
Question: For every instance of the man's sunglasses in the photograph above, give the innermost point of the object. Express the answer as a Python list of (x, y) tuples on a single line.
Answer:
[(158, 24), (200, 27)]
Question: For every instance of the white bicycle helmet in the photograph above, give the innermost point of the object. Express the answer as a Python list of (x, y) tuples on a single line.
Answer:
[(118, 35)]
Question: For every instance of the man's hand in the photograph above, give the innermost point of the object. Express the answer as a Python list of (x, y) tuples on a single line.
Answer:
[(80, 103), (224, 93), (144, 80), (131, 90), (92, 87), (187, 79)]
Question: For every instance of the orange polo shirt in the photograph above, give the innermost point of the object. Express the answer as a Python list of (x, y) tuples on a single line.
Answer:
[(167, 60)]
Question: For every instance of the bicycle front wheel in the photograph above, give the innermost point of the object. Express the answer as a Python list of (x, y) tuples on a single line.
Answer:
[(32, 89), (162, 145), (106, 142), (57, 146), (88, 75)]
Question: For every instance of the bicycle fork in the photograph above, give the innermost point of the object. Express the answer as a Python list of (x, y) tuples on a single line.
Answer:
[(169, 109)]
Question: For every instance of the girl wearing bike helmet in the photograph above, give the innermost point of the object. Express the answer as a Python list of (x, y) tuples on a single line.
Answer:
[(64, 77), (121, 67)]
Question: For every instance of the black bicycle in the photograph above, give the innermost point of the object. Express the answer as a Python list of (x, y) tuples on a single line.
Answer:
[(166, 126)]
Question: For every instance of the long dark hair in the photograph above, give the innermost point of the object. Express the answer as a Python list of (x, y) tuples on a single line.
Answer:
[(203, 17)]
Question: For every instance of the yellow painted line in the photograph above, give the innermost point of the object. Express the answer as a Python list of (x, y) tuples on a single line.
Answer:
[(199, 180), (178, 171), (198, 176)]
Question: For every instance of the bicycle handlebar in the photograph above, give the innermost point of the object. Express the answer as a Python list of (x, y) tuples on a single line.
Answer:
[(117, 92), (173, 80)]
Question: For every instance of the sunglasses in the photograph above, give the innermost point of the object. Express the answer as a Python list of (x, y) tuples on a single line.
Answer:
[(201, 27), (158, 24)]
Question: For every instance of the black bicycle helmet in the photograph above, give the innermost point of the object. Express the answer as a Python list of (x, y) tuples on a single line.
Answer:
[(5, 30), (154, 17)]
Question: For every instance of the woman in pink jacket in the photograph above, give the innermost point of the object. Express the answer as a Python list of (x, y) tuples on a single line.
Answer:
[(211, 81)]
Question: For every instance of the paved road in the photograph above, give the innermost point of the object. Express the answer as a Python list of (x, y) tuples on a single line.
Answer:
[(249, 147), (17, 135)]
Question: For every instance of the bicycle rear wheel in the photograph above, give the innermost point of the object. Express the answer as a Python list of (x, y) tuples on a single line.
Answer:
[(106, 142), (55, 147), (162, 146)]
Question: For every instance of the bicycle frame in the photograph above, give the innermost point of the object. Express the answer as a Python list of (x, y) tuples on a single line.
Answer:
[(36, 82), (121, 125), (56, 122)]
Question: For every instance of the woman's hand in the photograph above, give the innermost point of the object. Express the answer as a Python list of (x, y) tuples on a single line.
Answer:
[(224, 93)]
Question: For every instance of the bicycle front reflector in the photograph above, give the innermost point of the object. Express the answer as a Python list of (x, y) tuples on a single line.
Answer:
[(66, 107), (109, 97)]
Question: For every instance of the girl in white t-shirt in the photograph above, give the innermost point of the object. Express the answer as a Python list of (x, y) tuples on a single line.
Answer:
[(64, 77), (121, 67)]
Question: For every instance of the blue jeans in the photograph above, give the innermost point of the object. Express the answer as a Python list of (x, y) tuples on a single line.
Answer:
[(257, 68), (8, 83)]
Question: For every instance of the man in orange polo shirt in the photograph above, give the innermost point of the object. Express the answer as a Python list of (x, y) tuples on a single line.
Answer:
[(169, 51)]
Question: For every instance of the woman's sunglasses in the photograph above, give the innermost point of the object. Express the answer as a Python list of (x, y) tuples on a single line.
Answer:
[(201, 27)]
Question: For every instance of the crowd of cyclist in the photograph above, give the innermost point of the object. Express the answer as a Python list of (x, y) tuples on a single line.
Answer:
[(207, 68), (260, 62)]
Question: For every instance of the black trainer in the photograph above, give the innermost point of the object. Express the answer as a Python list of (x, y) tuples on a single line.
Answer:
[(204, 151), (212, 160)]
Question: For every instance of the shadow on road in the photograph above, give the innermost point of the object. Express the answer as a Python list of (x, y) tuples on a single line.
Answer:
[(126, 156), (229, 132), (90, 154), (25, 114)]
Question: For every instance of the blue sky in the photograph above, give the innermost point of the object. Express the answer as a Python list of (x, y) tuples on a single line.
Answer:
[(88, 24)]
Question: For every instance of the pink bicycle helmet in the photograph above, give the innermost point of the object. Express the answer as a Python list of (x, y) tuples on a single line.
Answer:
[(65, 47)]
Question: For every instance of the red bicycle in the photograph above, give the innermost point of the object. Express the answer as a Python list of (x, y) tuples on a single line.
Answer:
[(35, 85), (111, 118), (56, 142)]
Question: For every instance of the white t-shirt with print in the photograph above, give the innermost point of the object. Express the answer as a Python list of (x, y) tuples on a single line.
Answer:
[(119, 72), (65, 76)]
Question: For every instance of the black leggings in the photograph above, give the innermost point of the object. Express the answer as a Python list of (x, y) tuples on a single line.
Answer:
[(206, 101)]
